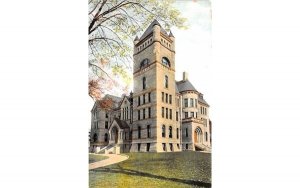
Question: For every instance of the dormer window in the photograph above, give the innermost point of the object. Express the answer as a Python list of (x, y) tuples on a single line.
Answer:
[(166, 62), (144, 63)]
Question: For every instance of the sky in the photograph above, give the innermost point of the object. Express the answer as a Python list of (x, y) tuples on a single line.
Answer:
[(193, 46)]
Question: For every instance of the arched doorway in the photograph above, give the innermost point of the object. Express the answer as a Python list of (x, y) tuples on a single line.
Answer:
[(95, 137), (115, 134), (198, 135)]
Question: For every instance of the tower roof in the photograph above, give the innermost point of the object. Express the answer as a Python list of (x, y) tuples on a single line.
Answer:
[(149, 29), (185, 85)]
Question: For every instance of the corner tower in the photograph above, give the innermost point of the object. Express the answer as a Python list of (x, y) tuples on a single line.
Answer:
[(154, 92)]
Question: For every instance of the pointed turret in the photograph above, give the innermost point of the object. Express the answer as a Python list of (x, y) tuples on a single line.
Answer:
[(150, 29), (171, 34)]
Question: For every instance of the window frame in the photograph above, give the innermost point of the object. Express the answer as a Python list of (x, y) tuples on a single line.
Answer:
[(163, 131)]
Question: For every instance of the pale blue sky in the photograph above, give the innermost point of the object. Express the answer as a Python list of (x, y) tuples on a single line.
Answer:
[(193, 46)]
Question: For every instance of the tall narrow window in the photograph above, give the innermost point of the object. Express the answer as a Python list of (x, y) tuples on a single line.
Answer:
[(170, 99), (186, 102), (166, 81), (177, 133), (149, 112), (166, 98), (176, 116), (186, 114), (162, 112), (163, 131), (123, 113), (106, 137), (192, 102), (167, 113), (106, 115), (144, 82), (139, 117), (139, 101), (149, 97), (139, 132), (170, 132), (144, 99), (106, 124), (162, 96), (170, 113), (192, 114), (196, 103), (206, 136), (186, 132), (148, 131), (144, 113)]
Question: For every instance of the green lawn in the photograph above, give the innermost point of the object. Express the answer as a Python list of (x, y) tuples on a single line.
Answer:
[(95, 158), (180, 169)]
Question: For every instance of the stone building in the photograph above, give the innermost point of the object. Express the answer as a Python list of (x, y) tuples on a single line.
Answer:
[(161, 114)]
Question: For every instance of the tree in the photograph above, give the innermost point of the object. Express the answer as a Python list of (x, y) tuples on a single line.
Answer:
[(113, 24)]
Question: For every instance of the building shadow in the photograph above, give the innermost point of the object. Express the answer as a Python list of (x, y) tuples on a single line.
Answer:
[(121, 170)]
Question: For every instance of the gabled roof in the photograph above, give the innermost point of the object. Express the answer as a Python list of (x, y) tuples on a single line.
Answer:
[(116, 100), (185, 85), (149, 29), (129, 98), (121, 123)]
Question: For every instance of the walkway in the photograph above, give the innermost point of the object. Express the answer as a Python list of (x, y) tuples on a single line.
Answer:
[(113, 158)]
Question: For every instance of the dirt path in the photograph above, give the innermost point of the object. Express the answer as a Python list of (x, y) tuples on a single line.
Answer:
[(113, 158)]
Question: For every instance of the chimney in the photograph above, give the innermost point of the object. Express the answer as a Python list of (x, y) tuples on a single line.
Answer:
[(185, 76)]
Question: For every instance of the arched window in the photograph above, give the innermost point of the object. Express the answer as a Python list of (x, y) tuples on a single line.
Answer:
[(139, 132), (106, 137), (166, 81), (170, 132), (148, 131), (95, 137), (198, 133), (144, 82), (163, 131), (144, 63), (165, 61)]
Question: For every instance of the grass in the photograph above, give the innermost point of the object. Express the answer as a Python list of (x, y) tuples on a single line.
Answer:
[(180, 169), (94, 158)]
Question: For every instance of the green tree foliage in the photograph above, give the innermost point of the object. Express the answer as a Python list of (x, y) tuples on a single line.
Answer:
[(113, 24)]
